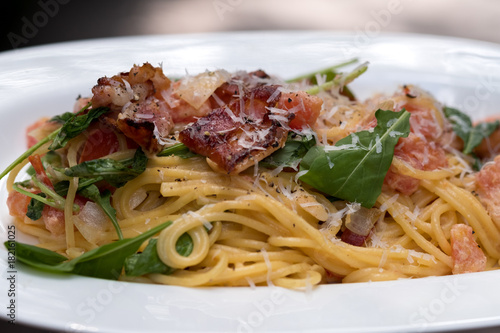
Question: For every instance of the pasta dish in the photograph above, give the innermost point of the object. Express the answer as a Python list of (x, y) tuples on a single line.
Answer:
[(245, 179)]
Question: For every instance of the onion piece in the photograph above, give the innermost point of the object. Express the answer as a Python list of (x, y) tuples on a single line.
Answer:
[(92, 222), (362, 221), (195, 90)]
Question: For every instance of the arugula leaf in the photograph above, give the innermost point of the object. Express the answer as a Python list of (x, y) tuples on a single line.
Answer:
[(344, 79), (149, 262), (62, 187), (35, 208), (104, 262), (28, 152), (472, 136), (35, 256), (355, 168), (296, 147), (480, 132), (104, 201), (63, 118), (329, 74), (146, 262), (184, 245), (75, 125), (179, 149), (116, 173), (460, 122)]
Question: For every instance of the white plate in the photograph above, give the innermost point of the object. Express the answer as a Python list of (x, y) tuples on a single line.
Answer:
[(46, 80)]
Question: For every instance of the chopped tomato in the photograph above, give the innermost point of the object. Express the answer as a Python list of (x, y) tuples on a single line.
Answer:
[(54, 220), (31, 140), (101, 141), (39, 130), (18, 204), (305, 107), (466, 254)]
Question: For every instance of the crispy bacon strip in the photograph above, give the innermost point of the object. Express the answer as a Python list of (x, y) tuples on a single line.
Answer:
[(137, 105), (234, 137)]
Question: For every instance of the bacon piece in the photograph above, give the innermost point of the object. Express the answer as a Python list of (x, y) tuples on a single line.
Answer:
[(147, 123), (137, 104), (423, 148), (427, 119), (240, 84), (238, 135), (421, 155), (488, 188), (353, 238), (137, 85), (466, 254)]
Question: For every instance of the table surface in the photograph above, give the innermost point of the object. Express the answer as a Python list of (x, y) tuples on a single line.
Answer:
[(31, 23)]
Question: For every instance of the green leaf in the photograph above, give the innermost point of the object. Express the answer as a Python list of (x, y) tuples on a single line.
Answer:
[(75, 125), (62, 187), (326, 71), (344, 79), (179, 149), (460, 122), (146, 262), (291, 154), (35, 208), (116, 173), (35, 256), (478, 134), (184, 245), (104, 201), (104, 262), (63, 118), (472, 136), (30, 151), (149, 262), (354, 169)]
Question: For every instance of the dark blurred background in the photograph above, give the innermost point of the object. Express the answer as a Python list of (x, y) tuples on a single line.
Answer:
[(26, 23), (34, 22)]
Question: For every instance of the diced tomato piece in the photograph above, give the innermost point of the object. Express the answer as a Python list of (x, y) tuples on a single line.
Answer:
[(17, 204), (31, 140), (466, 254), (101, 141), (305, 107), (54, 220)]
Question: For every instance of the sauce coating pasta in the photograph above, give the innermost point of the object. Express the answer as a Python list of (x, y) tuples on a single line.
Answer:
[(265, 182)]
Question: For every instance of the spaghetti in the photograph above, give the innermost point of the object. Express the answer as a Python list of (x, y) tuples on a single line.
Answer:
[(265, 223)]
